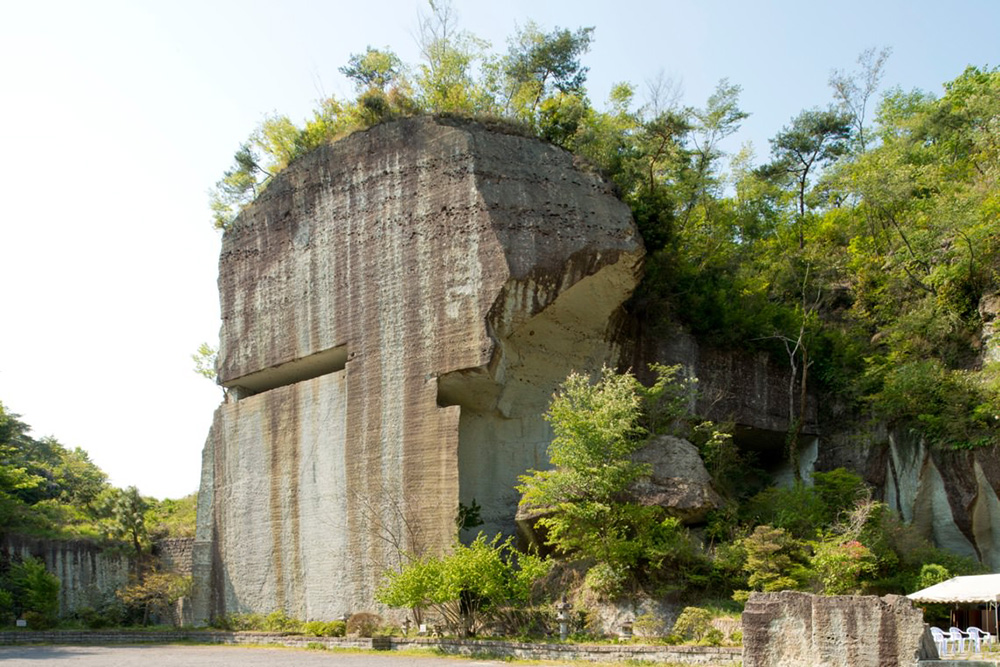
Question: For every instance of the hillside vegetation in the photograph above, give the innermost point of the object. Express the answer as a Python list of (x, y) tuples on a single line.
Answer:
[(48, 490), (858, 252), (863, 253)]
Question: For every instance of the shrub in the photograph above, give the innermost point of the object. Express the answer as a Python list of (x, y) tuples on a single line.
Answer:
[(484, 583), (607, 580), (650, 625), (774, 560), (363, 624), (712, 637), (39, 621), (932, 573), (35, 591), (325, 628), (841, 566), (6, 606), (694, 623), (276, 621), (153, 599)]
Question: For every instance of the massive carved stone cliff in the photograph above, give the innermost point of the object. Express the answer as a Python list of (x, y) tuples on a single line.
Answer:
[(397, 309)]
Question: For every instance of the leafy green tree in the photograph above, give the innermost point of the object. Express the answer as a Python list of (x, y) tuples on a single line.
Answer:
[(34, 593), (596, 430), (588, 515), (205, 360), (775, 560), (539, 65), (842, 566), (127, 521), (375, 68), (15, 479), (485, 582), (446, 79), (854, 90), (815, 139), (152, 599)]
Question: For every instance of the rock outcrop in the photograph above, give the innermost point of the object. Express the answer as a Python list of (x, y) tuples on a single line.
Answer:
[(397, 309), (87, 573), (790, 628), (949, 496), (678, 480)]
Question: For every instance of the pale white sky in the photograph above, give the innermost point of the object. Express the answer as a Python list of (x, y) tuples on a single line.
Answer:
[(116, 118)]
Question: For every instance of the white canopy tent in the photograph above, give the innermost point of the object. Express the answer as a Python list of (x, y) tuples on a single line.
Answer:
[(973, 589)]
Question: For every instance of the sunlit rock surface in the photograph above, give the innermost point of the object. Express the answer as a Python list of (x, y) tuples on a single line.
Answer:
[(792, 628), (397, 309)]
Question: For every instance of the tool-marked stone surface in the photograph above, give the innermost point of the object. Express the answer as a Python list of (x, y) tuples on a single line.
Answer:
[(397, 309)]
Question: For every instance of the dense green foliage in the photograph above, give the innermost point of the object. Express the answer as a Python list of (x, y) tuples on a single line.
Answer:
[(857, 253), (484, 584), (50, 491), (587, 512), (46, 489), (29, 591)]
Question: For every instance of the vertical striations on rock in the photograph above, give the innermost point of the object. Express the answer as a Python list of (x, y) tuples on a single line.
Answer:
[(792, 628), (397, 309)]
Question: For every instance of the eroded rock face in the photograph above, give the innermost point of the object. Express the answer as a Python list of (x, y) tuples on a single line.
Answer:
[(791, 628), (949, 496), (678, 480), (84, 570), (749, 389), (397, 309)]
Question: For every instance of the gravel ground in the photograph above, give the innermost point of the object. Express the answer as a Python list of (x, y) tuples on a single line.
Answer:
[(214, 656)]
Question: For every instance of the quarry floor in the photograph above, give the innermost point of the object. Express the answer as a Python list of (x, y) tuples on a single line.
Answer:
[(214, 656)]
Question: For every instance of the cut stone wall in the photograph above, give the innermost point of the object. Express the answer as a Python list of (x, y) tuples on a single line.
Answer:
[(805, 630), (174, 554), (749, 389), (397, 309)]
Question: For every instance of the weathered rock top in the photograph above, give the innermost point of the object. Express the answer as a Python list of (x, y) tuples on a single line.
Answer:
[(419, 184)]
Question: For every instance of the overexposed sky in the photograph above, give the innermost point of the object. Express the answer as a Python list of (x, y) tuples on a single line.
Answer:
[(117, 117)]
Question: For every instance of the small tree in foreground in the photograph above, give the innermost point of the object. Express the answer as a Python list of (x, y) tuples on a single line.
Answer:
[(589, 514), (33, 593), (485, 583)]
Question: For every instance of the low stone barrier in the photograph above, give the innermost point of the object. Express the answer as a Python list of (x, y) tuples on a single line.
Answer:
[(794, 628), (697, 655)]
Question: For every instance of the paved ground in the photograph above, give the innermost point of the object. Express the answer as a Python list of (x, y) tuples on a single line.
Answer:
[(212, 656)]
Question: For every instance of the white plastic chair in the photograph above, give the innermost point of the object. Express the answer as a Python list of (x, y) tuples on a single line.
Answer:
[(942, 639), (958, 637), (977, 638)]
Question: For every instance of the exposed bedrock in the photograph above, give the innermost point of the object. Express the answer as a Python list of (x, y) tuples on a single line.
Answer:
[(751, 390), (949, 496), (397, 309), (677, 480)]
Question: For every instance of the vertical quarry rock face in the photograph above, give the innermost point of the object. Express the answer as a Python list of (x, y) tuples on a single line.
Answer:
[(397, 309), (85, 571), (949, 496), (790, 628)]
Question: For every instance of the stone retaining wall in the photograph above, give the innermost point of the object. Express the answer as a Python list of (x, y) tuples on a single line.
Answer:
[(699, 655)]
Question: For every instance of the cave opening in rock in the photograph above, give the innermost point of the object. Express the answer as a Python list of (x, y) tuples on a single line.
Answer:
[(502, 430), (768, 460)]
